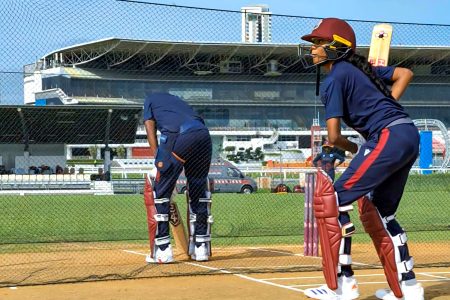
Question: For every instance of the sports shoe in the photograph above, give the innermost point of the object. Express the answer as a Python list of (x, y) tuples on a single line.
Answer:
[(201, 253), (161, 256), (411, 289), (347, 290)]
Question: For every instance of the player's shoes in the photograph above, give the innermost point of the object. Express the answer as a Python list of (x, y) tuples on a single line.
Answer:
[(347, 290), (411, 289), (161, 256), (201, 253)]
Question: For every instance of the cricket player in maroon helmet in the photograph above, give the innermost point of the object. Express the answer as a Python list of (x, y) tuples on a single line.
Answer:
[(356, 93)]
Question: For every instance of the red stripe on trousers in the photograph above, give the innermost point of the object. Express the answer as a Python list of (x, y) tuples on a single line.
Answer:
[(369, 161)]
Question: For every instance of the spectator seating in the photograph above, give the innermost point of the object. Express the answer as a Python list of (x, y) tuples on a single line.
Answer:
[(134, 163), (44, 182), (132, 166)]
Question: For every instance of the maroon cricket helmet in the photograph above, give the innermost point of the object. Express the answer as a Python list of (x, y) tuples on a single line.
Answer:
[(333, 30)]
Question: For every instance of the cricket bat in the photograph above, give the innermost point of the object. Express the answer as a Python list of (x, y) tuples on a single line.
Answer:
[(379, 45), (177, 226)]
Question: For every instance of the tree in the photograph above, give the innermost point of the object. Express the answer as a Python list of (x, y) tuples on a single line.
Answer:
[(230, 148), (258, 151), (231, 157), (248, 154), (121, 151), (240, 155), (258, 155), (93, 151)]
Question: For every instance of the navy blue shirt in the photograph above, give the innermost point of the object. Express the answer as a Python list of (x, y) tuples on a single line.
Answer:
[(349, 94), (168, 111), (327, 160)]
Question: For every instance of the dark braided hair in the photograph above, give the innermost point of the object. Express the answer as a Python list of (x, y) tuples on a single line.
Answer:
[(361, 63)]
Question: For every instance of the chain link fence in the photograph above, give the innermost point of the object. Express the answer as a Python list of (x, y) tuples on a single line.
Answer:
[(74, 153)]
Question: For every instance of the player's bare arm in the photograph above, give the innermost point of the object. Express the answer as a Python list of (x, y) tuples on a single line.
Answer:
[(335, 137), (150, 127), (401, 79)]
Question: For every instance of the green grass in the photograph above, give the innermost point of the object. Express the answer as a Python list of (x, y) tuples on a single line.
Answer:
[(260, 218), (128, 176), (85, 161)]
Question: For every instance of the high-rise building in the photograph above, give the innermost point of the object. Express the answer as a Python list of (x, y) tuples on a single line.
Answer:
[(256, 24)]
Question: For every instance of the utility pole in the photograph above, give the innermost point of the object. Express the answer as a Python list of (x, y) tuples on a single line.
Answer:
[(281, 163)]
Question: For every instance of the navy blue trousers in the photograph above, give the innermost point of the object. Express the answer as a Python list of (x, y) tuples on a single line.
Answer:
[(381, 167), (191, 150)]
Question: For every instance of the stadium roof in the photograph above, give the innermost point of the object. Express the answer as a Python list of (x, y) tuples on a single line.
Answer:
[(115, 52), (68, 124), (143, 47)]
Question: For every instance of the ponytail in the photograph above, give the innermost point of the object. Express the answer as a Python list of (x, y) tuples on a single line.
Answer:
[(361, 63)]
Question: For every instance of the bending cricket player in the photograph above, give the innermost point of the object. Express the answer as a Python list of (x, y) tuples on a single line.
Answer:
[(184, 142)]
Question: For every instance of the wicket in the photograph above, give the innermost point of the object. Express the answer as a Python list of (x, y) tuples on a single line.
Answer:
[(311, 234)]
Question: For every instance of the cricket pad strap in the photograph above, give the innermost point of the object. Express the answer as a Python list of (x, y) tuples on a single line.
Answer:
[(326, 212), (382, 241), (200, 217), (149, 200)]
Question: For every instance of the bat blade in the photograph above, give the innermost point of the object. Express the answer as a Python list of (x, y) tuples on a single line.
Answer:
[(177, 226), (380, 44)]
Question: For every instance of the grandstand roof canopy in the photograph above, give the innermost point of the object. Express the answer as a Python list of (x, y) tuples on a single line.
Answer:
[(68, 124), (115, 52)]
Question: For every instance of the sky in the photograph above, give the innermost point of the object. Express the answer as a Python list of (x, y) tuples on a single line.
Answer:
[(30, 29), (409, 11)]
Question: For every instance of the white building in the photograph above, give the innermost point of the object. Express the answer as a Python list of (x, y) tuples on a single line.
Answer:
[(256, 24)]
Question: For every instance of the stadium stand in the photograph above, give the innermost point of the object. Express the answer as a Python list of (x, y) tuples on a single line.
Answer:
[(53, 184), (132, 166)]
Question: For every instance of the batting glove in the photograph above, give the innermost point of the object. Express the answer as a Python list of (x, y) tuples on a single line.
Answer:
[(152, 173)]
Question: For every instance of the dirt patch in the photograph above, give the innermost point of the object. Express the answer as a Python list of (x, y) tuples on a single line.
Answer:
[(284, 286), (72, 262)]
